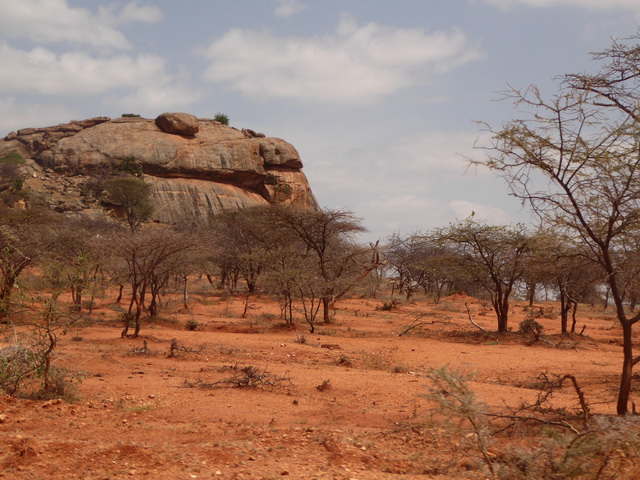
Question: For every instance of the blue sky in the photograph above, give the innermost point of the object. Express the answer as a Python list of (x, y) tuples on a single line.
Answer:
[(379, 97)]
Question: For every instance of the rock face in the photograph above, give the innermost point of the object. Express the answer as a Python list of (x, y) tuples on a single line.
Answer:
[(197, 167)]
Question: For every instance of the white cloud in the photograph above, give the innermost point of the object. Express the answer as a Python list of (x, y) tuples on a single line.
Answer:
[(404, 214), (155, 99), (355, 64), (46, 21), (287, 8), (435, 152), (51, 21), (74, 73), (588, 4), (17, 114), (132, 12)]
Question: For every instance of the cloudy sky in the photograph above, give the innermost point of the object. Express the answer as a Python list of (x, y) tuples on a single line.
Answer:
[(380, 97)]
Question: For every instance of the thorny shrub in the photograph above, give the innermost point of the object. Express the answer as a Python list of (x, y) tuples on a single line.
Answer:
[(604, 448)]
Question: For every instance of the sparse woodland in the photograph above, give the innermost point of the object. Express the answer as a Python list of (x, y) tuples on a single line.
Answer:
[(573, 158)]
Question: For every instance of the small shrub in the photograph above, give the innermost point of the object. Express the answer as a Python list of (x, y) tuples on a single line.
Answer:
[(130, 115), (325, 385), (247, 377), (144, 350), (191, 325), (222, 118), (12, 158), (130, 166), (344, 361), (19, 367), (63, 384), (17, 184), (387, 306), (462, 410), (531, 327), (283, 188), (301, 339)]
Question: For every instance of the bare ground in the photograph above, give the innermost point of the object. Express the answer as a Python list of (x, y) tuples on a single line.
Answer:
[(344, 403)]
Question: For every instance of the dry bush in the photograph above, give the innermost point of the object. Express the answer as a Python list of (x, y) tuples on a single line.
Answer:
[(246, 377), (603, 448)]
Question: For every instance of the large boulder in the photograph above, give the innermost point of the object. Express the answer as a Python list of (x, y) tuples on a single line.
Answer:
[(178, 123), (197, 175)]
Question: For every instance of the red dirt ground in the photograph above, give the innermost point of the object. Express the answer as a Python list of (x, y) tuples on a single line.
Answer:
[(137, 418)]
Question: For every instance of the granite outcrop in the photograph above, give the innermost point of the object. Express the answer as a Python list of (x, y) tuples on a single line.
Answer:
[(197, 167)]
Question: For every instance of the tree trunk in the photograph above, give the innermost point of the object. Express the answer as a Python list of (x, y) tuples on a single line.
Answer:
[(326, 310), (627, 368), (532, 294), (120, 294), (503, 320), (5, 295), (565, 306), (185, 292), (76, 297)]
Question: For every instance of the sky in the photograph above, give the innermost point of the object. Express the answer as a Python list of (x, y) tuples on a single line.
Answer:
[(381, 98)]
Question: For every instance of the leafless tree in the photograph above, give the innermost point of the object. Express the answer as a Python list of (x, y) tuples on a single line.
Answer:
[(149, 257)]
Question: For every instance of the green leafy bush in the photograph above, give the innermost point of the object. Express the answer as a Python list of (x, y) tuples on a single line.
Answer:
[(222, 118)]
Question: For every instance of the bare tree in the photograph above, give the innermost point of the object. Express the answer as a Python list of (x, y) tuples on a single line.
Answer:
[(149, 257), (575, 159)]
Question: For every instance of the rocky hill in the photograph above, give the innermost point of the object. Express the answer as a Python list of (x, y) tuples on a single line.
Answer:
[(196, 167)]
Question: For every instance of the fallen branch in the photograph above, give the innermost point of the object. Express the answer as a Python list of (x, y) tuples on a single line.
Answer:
[(175, 349), (418, 323), (471, 318)]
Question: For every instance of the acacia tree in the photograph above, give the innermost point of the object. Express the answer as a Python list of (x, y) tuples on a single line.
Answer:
[(493, 256), (133, 196), (80, 254), (576, 161), (420, 263), (244, 242), (329, 235), (25, 236), (566, 269)]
